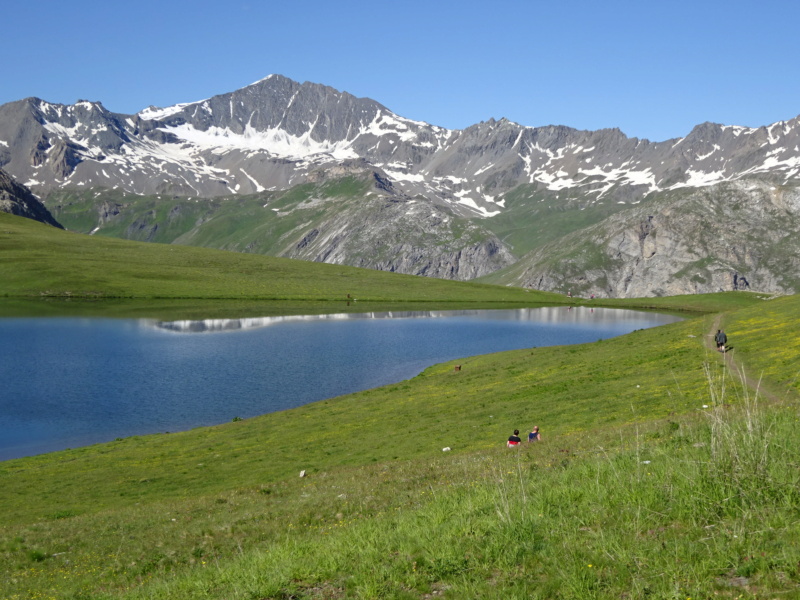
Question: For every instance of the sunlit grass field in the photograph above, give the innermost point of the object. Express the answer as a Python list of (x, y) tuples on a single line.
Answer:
[(40, 261), (49, 272), (660, 475)]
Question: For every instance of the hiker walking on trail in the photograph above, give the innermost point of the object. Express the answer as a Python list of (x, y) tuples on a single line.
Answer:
[(721, 340)]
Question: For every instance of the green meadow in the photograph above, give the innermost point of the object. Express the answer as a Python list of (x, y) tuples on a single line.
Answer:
[(666, 469), (38, 261)]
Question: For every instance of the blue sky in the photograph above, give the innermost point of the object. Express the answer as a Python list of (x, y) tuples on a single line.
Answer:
[(653, 69)]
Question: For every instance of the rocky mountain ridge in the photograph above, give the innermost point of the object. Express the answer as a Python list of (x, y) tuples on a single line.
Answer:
[(739, 235), (17, 200), (444, 203), (273, 133)]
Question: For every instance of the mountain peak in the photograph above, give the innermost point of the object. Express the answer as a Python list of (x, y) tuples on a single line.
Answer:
[(273, 132)]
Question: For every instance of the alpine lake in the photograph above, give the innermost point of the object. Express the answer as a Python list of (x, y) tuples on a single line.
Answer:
[(73, 379)]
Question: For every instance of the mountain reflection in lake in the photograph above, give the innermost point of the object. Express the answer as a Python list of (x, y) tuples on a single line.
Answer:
[(538, 315), (72, 382)]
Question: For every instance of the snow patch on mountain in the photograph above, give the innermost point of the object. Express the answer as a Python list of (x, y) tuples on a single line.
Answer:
[(153, 113), (259, 188), (385, 123), (275, 133), (275, 141)]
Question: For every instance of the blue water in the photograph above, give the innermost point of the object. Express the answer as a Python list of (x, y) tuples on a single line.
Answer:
[(73, 382)]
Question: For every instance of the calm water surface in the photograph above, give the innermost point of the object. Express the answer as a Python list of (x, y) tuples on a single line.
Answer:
[(73, 382)]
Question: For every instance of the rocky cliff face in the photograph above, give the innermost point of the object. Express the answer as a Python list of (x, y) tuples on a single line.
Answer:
[(732, 236), (18, 200), (402, 235), (346, 214)]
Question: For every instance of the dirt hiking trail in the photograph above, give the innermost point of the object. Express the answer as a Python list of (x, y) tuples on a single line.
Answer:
[(735, 367)]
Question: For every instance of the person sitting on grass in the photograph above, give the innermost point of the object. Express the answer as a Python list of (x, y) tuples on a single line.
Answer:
[(513, 440), (534, 436)]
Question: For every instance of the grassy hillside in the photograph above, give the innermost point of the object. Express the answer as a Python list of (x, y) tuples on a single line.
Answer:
[(49, 265), (348, 216), (238, 223), (38, 260), (533, 218), (660, 475)]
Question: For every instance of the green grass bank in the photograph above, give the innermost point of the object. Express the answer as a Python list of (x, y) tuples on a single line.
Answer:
[(662, 473), (40, 261), (50, 272)]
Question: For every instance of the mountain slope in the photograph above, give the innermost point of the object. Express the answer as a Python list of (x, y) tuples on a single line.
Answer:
[(348, 215), (273, 133), (730, 236), (39, 261), (464, 203), (18, 200)]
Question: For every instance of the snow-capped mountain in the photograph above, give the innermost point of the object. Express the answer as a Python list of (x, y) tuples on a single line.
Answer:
[(496, 198), (272, 134)]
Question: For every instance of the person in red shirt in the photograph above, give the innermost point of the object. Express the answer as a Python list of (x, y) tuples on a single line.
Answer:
[(514, 439)]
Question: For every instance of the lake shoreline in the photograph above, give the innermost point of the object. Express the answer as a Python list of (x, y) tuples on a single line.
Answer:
[(267, 371)]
